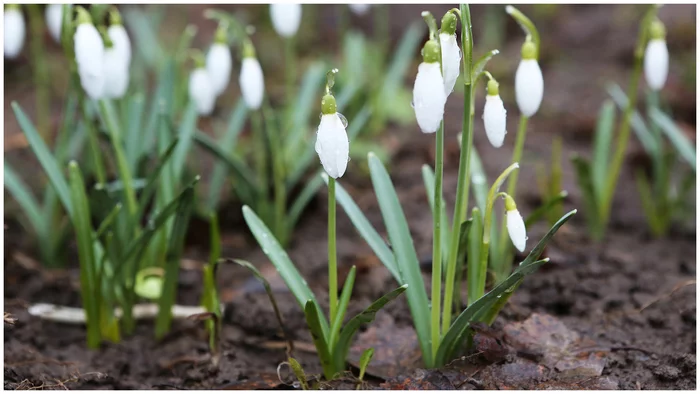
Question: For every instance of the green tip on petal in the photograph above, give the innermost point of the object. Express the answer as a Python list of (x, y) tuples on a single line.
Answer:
[(449, 23), (105, 37), (82, 16), (9, 7), (248, 49), (328, 105), (510, 204), (221, 36), (197, 58), (115, 18), (431, 52), (657, 30), (529, 50), (492, 88)]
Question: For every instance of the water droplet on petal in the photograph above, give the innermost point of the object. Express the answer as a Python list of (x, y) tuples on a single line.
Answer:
[(342, 119)]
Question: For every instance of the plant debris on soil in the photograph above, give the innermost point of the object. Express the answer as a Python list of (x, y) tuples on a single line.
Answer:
[(616, 315)]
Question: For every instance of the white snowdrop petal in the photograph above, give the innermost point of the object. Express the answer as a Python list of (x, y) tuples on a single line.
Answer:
[(516, 229), (451, 57), (14, 33), (116, 74), (89, 55), (121, 42), (656, 64), (359, 8), (219, 66), (529, 86), (495, 120), (54, 19), (429, 97), (285, 18), (252, 82), (201, 91), (332, 145)]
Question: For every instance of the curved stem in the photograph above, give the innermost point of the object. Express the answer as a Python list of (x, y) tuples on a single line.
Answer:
[(463, 180)]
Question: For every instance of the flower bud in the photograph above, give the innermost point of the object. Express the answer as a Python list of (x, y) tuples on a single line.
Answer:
[(116, 74), (529, 84), (219, 66), (117, 33), (515, 225), (252, 82), (494, 116), (201, 91), (429, 90), (332, 144), (14, 31), (54, 20), (656, 57), (89, 55), (451, 57), (285, 18), (359, 8)]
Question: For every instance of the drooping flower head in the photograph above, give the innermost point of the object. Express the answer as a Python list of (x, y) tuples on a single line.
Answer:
[(89, 55), (529, 84), (656, 56), (54, 20), (200, 87), (251, 79), (285, 18), (451, 54), (429, 89), (14, 31), (117, 33), (359, 8), (494, 115), (219, 60), (515, 224), (116, 70), (332, 144)]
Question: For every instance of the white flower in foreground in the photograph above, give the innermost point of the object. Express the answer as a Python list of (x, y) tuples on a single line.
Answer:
[(285, 18), (515, 225), (14, 31), (201, 90), (116, 74), (251, 79), (89, 55), (451, 55), (529, 84), (429, 90), (219, 62), (359, 8), (656, 57), (494, 116), (54, 20), (332, 144)]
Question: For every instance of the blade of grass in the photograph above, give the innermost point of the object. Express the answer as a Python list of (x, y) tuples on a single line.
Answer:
[(682, 144), (602, 141)]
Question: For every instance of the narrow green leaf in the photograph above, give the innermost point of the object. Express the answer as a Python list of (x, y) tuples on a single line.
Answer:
[(648, 204), (19, 190), (682, 144), (402, 59), (474, 288), (145, 34), (152, 182), (48, 162), (543, 209), (637, 122), (299, 373), (585, 184), (480, 64), (365, 359), (186, 132), (242, 173), (134, 130), (364, 227), (302, 200), (602, 142), (107, 222), (404, 252), (341, 349), (429, 182), (342, 306), (305, 102), (315, 319)]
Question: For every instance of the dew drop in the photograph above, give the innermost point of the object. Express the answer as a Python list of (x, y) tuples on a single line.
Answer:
[(343, 119)]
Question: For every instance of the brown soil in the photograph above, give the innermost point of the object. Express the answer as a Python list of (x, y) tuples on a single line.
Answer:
[(629, 301)]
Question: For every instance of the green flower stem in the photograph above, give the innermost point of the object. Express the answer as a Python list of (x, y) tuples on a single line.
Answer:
[(261, 151), (93, 140), (504, 266), (290, 68), (653, 102), (437, 250), (40, 70), (462, 199), (332, 256)]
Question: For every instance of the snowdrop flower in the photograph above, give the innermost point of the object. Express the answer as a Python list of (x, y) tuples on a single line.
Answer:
[(219, 61), (285, 18), (529, 84), (494, 116), (656, 57), (116, 72), (14, 31), (120, 39), (429, 90), (89, 55), (201, 88), (332, 144), (251, 79), (515, 225), (54, 20), (451, 55), (359, 8)]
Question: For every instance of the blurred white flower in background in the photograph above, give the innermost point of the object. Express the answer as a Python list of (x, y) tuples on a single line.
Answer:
[(285, 18), (14, 31)]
